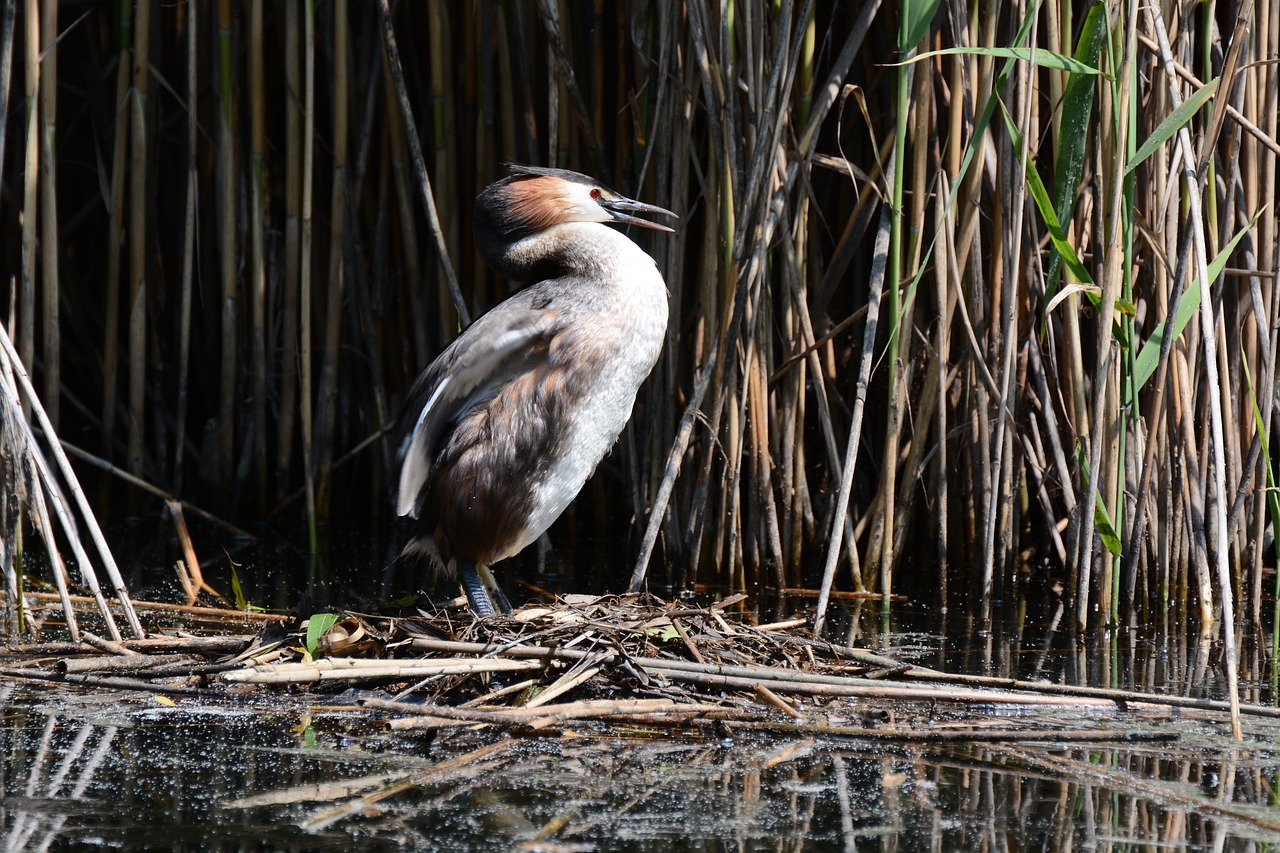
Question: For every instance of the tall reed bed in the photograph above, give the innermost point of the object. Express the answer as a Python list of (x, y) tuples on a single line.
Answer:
[(962, 294)]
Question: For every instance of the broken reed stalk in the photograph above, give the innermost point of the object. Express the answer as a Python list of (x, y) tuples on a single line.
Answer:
[(1009, 270), (54, 491), (22, 493), (39, 513), (538, 717)]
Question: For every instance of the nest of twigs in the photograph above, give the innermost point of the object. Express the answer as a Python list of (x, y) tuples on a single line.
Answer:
[(614, 661), (607, 657)]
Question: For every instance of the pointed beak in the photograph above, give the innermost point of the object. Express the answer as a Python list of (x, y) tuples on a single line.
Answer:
[(621, 208)]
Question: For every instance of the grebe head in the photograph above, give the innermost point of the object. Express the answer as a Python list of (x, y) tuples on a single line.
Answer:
[(533, 199), (512, 214)]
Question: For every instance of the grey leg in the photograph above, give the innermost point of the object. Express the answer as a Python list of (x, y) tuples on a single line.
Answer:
[(495, 591), (474, 588)]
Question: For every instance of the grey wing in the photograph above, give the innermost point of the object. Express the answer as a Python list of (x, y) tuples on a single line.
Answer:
[(491, 351)]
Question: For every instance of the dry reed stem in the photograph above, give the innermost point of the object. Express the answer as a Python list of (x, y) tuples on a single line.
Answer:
[(51, 326), (22, 485), (7, 26), (855, 423), (1207, 324), (51, 487), (26, 336), (329, 669)]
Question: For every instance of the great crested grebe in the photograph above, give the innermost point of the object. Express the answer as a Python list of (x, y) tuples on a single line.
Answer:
[(503, 429)]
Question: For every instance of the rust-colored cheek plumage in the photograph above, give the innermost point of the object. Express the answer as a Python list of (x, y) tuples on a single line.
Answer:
[(536, 203)]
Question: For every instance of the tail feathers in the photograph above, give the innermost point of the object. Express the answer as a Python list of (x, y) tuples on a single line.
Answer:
[(422, 549), (483, 592)]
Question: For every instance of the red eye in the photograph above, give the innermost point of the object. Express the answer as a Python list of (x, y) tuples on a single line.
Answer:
[(595, 193)]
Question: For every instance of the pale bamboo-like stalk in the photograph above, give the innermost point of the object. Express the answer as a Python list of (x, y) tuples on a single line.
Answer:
[(51, 324), (551, 18), (762, 464), (8, 15), (879, 263), (1207, 324), (26, 342), (1268, 45), (1166, 348), (721, 137), (920, 153), (791, 394), (16, 488), (44, 526)]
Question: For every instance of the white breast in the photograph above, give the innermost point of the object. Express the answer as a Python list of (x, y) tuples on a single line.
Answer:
[(632, 318)]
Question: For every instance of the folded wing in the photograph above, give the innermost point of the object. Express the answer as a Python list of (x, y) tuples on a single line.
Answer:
[(495, 349)]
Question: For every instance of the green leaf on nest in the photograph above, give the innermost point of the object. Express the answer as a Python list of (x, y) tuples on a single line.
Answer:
[(317, 625)]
